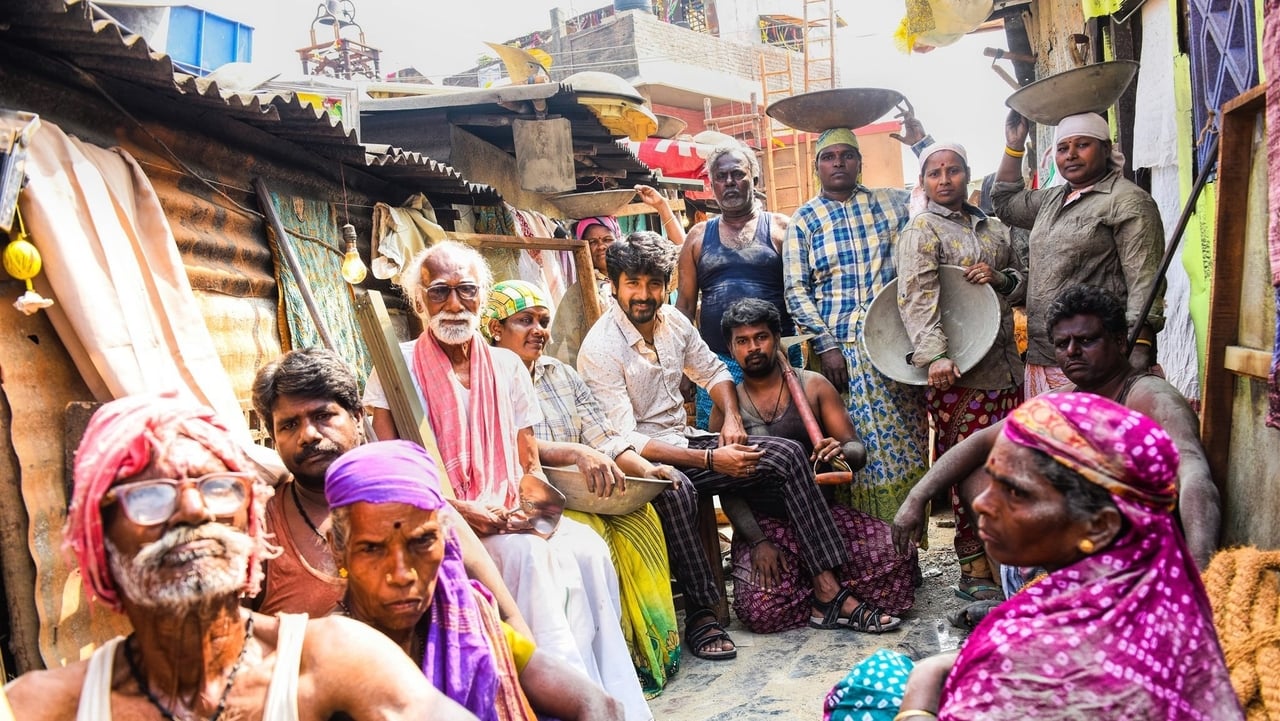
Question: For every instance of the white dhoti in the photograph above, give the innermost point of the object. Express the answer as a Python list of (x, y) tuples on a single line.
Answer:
[(567, 590)]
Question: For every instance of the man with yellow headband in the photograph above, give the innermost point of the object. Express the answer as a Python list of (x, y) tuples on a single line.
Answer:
[(837, 257)]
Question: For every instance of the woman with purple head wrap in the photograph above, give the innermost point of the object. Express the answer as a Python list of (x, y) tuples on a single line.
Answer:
[(405, 577)]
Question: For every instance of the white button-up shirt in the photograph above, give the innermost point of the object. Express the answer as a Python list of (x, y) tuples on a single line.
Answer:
[(638, 385)]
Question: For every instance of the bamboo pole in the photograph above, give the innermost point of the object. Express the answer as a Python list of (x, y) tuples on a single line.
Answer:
[(291, 260)]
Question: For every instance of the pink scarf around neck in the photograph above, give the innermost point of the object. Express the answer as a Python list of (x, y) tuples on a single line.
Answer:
[(475, 453)]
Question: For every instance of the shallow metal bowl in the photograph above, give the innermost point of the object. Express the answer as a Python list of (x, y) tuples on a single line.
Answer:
[(970, 320), (837, 108), (599, 202), (573, 485), (1090, 89)]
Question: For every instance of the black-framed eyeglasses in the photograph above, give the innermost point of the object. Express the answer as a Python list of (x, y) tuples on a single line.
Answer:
[(154, 501), (440, 293)]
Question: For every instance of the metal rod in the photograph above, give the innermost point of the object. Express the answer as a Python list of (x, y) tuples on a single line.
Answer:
[(291, 260), (1205, 171)]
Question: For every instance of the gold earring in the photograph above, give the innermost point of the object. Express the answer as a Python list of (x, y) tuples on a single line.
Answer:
[(342, 572), (1085, 546)]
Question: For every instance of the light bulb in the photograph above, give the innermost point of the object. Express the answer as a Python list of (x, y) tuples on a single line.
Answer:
[(353, 269)]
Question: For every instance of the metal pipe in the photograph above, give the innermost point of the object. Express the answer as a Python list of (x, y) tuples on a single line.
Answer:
[(1201, 180)]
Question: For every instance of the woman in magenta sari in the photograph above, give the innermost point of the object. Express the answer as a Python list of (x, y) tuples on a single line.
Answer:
[(1119, 627)]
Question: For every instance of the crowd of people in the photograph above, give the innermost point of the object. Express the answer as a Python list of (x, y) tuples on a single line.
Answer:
[(381, 579)]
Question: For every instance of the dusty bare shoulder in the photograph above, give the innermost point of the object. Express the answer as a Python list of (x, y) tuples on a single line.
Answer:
[(693, 238), (1158, 399), (51, 694), (778, 225)]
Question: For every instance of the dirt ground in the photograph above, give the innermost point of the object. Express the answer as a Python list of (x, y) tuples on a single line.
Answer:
[(787, 675)]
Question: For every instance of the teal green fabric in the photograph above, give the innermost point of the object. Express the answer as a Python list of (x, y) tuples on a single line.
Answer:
[(312, 232), (872, 691)]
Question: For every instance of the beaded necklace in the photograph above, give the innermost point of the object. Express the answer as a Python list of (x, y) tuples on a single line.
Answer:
[(130, 650)]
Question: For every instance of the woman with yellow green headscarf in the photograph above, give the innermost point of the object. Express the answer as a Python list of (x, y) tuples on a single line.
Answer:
[(838, 255), (576, 432)]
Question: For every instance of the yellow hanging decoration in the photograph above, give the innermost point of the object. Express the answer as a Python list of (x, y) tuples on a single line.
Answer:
[(22, 261)]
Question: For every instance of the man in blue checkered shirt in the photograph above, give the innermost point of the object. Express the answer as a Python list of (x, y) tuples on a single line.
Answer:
[(837, 256)]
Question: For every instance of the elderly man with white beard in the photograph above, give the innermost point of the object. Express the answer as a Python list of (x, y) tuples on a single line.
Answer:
[(482, 407), (166, 524)]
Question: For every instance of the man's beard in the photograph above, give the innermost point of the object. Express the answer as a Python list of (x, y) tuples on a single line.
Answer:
[(647, 311), (447, 330), (754, 370), (212, 573)]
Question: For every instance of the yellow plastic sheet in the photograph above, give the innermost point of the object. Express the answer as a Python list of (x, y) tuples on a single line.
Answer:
[(1100, 8)]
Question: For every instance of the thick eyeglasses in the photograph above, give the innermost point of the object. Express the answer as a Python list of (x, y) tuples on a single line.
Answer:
[(152, 502), (440, 293)]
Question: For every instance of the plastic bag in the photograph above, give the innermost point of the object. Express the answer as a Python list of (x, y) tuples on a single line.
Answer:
[(932, 24)]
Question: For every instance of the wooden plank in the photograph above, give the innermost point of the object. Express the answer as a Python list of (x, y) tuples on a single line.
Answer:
[(677, 206), (1252, 100), (1240, 117), (1248, 362), (484, 240), (591, 309), (410, 417)]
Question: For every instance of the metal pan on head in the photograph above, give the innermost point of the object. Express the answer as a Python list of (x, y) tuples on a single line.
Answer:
[(598, 202), (970, 320), (1090, 89), (836, 108)]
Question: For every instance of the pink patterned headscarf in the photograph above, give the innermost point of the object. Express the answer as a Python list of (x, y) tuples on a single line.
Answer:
[(1124, 633), (122, 439), (608, 221)]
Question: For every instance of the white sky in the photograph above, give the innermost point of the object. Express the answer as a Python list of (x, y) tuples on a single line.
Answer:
[(954, 91)]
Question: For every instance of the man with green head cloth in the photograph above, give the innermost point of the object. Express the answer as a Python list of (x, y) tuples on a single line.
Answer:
[(837, 257)]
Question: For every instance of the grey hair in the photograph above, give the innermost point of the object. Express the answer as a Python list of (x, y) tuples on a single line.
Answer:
[(1084, 498), (410, 280), (340, 532), (730, 148)]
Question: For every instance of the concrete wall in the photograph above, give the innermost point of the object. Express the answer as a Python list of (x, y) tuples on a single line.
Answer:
[(638, 45)]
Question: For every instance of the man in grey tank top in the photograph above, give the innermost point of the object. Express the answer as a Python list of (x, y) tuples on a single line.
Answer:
[(166, 523)]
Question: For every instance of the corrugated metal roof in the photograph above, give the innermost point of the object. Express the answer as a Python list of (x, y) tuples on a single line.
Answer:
[(83, 35), (486, 112)]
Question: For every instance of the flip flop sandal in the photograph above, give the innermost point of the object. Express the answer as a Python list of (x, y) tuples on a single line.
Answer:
[(865, 617), (970, 616), (709, 632), (970, 593)]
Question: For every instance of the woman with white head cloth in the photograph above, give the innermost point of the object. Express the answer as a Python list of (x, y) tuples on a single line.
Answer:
[(950, 231), (1097, 228)]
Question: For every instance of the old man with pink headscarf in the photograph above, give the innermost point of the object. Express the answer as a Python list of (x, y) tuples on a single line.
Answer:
[(166, 525), (1097, 228), (1119, 626)]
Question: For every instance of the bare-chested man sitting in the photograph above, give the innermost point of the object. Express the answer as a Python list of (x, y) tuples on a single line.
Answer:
[(166, 523)]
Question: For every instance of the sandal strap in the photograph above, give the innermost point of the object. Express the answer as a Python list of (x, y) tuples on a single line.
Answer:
[(831, 610), (701, 632), (866, 617)]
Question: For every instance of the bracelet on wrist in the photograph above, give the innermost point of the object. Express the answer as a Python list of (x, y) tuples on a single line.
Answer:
[(914, 713), (711, 466), (1144, 341), (758, 541), (1014, 152), (937, 358)]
